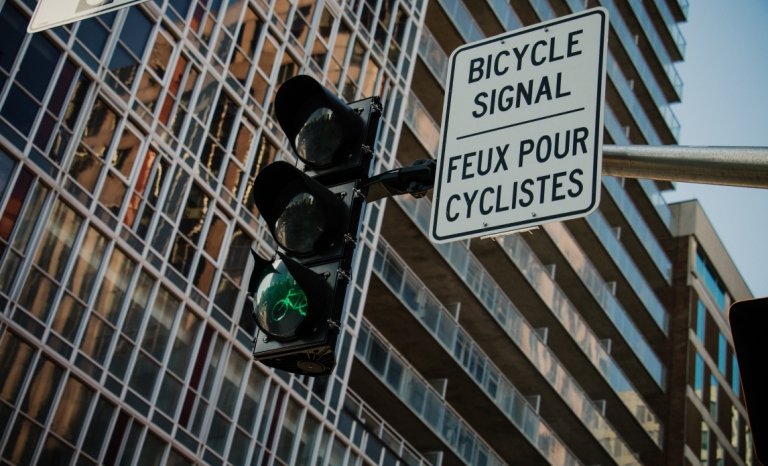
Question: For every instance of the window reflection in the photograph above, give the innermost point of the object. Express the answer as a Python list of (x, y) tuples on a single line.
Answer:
[(70, 415), (42, 389), (15, 357), (58, 240)]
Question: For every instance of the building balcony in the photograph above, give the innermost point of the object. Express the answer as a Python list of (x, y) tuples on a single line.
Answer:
[(666, 23), (376, 439), (645, 195), (598, 240), (554, 244), (526, 359), (679, 9), (638, 240), (383, 378), (544, 305)]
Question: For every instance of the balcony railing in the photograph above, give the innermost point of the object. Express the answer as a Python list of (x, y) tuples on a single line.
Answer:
[(423, 126), (464, 22), (638, 225), (649, 187), (628, 268), (596, 285), (658, 201), (631, 101), (674, 29), (433, 56), (422, 399), (653, 37), (501, 308), (628, 41), (468, 354), (376, 434), (437, 320)]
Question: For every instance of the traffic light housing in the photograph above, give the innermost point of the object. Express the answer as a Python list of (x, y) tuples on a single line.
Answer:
[(313, 211)]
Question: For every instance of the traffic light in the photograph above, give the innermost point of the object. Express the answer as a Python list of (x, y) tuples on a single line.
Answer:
[(313, 211)]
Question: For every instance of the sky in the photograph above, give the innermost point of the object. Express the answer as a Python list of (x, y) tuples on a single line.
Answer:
[(725, 103)]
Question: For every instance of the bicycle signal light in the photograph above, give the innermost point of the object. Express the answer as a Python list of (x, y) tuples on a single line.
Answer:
[(313, 210)]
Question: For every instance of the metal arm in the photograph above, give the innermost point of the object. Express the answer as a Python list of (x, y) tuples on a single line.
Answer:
[(415, 180), (731, 166)]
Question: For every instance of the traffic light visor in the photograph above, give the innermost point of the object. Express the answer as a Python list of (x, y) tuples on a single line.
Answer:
[(304, 215), (322, 129)]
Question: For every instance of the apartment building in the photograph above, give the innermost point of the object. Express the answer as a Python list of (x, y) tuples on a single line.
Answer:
[(129, 145)]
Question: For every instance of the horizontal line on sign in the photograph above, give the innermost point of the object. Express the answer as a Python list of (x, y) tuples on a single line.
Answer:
[(520, 123)]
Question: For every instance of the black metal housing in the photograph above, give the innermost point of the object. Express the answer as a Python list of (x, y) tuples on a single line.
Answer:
[(338, 185), (318, 345)]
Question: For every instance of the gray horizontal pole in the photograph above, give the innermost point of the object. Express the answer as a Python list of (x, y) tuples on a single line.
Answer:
[(730, 166)]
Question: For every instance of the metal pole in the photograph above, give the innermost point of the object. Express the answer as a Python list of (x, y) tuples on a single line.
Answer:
[(731, 166)]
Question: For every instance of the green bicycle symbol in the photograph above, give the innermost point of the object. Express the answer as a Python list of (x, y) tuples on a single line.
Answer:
[(295, 300)]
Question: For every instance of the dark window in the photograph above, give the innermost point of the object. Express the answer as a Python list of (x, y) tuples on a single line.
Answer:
[(37, 66), (182, 6), (20, 110), (94, 439), (223, 119), (136, 31), (93, 35), (14, 26)]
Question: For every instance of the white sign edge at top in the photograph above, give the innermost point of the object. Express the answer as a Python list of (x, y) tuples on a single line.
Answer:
[(596, 184), (36, 26)]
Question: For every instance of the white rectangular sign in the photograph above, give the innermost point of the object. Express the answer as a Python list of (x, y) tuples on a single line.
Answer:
[(52, 13), (522, 133)]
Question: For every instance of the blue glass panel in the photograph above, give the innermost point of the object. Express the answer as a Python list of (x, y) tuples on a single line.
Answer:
[(20, 110), (701, 316), (136, 31), (14, 26), (37, 66), (93, 35), (6, 168), (721, 354)]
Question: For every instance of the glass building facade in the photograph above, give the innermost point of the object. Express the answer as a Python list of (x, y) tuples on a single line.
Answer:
[(129, 146)]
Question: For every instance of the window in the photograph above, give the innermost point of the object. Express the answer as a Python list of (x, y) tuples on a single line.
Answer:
[(711, 281), (155, 73), (21, 214), (245, 47), (704, 453), (701, 320), (698, 376), (713, 397), (50, 261), (722, 360), (735, 382), (32, 78), (129, 52), (719, 455), (93, 33)]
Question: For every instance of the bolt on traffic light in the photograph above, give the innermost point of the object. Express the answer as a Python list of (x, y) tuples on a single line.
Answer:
[(314, 213)]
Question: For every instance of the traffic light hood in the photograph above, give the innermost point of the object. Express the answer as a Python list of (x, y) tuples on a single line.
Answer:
[(322, 129), (303, 216)]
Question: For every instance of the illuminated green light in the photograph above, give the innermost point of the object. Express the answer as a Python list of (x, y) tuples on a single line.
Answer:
[(280, 304), (295, 300)]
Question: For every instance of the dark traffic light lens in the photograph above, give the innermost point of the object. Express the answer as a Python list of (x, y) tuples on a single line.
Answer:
[(301, 224), (320, 137), (280, 305)]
